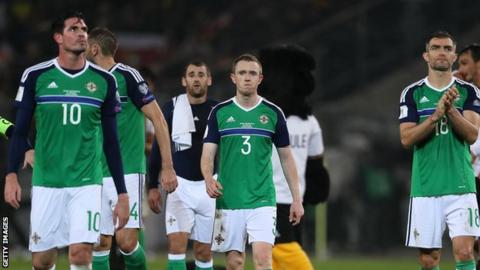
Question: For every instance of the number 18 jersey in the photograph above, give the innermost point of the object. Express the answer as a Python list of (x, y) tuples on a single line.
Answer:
[(441, 163), (245, 137), (68, 110)]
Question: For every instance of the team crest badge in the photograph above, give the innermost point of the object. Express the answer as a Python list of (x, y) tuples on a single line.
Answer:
[(143, 88), (91, 87), (263, 119)]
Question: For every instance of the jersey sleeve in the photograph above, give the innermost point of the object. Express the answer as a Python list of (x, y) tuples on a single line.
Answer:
[(26, 92), (472, 101), (280, 137), (111, 104), (408, 108), (212, 134), (315, 143), (137, 89)]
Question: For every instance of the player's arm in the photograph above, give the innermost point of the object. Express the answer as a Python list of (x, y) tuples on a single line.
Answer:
[(290, 172), (168, 176), (111, 147), (214, 189), (412, 133), (465, 125)]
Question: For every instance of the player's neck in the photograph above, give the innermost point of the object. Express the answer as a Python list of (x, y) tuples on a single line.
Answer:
[(439, 79), (196, 100), (247, 101), (105, 62), (71, 60)]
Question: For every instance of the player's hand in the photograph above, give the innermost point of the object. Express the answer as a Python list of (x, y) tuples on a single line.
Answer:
[(29, 158), (214, 188), (13, 191), (121, 211), (296, 212), (155, 200), (168, 179)]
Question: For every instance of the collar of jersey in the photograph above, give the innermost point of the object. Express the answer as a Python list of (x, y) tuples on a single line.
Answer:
[(441, 89), (55, 62), (249, 109)]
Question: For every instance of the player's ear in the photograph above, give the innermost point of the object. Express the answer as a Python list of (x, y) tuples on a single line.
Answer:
[(58, 38), (232, 77), (260, 78), (425, 56), (209, 80), (184, 81)]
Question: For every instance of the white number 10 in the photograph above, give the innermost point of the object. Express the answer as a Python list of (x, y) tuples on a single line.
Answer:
[(74, 115)]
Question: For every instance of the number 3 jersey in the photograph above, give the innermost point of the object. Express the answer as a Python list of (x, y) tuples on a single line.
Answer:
[(442, 162), (245, 137), (68, 110)]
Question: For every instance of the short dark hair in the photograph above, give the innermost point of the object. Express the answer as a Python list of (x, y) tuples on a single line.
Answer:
[(197, 63), (474, 50), (246, 57), (439, 34), (105, 39), (59, 23)]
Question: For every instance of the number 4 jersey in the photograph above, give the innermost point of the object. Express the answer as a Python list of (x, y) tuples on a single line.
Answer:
[(442, 162), (68, 110), (245, 138)]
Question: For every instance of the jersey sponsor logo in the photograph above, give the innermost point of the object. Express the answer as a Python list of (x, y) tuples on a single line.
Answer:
[(91, 87), (19, 96), (403, 111), (424, 99), (143, 88), (52, 85), (263, 119), (230, 119)]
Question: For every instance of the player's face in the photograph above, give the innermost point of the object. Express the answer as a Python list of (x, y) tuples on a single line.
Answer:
[(466, 66), (196, 80), (247, 77), (74, 36), (92, 51), (440, 54)]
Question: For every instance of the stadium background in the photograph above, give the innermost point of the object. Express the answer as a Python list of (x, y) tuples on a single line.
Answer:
[(366, 52)]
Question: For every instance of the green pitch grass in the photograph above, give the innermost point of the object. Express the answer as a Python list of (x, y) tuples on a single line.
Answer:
[(159, 263)]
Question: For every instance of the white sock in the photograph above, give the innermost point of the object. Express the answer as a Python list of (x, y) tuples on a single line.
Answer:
[(204, 264), (101, 253), (130, 253), (175, 257), (80, 267)]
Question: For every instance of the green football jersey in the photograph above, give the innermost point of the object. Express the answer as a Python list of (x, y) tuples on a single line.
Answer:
[(67, 110), (134, 94), (244, 138), (442, 162)]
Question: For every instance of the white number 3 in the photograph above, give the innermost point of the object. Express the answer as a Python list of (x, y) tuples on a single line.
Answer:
[(247, 147)]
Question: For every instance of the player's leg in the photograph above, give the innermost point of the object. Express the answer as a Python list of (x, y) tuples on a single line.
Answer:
[(261, 230), (235, 260), (229, 236), (426, 224), (287, 253), (83, 217), (203, 227), (101, 250), (464, 224), (127, 237), (47, 226), (429, 258), (179, 219)]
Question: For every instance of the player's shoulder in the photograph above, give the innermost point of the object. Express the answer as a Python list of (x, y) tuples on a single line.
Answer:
[(37, 69), (223, 104), (129, 72), (411, 88), (467, 85), (99, 70)]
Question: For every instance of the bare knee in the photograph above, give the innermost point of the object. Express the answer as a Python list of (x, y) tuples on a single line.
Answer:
[(80, 254), (127, 239), (263, 260), (105, 243), (464, 253), (429, 258), (203, 252), (43, 261), (235, 260)]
